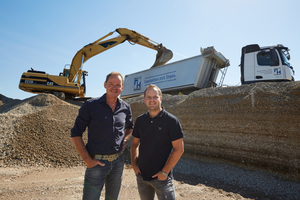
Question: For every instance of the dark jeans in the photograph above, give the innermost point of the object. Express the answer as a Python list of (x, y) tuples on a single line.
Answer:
[(164, 189), (110, 175)]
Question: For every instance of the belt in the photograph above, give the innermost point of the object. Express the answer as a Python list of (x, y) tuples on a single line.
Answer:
[(110, 157)]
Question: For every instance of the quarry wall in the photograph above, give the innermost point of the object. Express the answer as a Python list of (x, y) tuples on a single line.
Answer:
[(253, 126)]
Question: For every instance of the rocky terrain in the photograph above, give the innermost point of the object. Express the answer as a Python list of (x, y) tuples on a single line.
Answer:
[(252, 126), (240, 142)]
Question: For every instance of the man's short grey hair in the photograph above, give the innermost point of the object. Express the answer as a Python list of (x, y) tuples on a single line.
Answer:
[(114, 73)]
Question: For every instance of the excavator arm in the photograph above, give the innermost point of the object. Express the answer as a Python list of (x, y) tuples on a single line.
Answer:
[(163, 55)]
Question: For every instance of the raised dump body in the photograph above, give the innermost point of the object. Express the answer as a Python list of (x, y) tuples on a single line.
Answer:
[(182, 76)]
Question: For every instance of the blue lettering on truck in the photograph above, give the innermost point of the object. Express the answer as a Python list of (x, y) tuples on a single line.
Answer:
[(160, 78), (170, 76)]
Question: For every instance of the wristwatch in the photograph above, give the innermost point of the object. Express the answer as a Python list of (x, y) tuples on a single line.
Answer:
[(164, 174)]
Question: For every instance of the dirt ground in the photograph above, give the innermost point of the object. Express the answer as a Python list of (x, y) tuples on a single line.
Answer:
[(67, 183)]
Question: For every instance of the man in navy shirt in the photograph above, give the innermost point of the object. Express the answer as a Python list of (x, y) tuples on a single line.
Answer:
[(157, 146), (110, 124)]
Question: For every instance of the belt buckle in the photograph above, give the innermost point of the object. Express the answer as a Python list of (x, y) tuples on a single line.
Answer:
[(111, 157)]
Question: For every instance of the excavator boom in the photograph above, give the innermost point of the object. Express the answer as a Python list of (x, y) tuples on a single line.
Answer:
[(163, 54), (71, 82)]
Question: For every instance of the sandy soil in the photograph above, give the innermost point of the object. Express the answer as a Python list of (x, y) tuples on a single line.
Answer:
[(67, 183)]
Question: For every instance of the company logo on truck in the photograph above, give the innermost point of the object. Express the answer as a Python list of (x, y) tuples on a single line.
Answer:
[(277, 71), (137, 83)]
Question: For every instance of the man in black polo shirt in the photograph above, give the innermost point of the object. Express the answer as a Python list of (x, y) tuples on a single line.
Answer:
[(156, 147), (110, 124)]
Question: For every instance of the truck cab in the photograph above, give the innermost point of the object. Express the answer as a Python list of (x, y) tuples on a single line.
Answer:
[(265, 64)]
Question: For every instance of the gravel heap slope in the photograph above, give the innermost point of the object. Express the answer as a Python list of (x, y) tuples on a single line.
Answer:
[(36, 132), (253, 126)]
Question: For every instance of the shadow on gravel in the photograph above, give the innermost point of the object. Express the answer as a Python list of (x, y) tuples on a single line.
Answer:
[(249, 184), (196, 180)]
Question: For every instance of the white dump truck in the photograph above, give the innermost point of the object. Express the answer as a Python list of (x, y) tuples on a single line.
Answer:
[(182, 76), (258, 64)]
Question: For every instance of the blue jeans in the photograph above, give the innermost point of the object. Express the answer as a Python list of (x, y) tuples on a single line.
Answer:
[(110, 175), (164, 189)]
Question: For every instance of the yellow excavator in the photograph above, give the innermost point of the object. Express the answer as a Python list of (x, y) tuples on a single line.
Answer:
[(71, 82)]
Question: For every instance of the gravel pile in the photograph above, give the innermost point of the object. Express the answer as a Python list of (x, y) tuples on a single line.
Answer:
[(253, 126), (36, 132), (251, 133)]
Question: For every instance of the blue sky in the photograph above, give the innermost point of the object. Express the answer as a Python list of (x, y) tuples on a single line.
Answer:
[(45, 35)]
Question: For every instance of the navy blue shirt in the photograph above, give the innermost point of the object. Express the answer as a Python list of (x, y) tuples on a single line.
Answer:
[(156, 136), (105, 127)]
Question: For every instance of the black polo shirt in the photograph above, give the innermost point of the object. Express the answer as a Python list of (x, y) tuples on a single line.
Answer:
[(105, 127), (156, 136)]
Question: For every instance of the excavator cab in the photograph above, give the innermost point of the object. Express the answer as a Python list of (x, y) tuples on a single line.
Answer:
[(65, 73)]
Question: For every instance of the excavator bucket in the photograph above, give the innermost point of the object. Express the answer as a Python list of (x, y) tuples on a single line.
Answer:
[(162, 57)]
